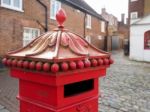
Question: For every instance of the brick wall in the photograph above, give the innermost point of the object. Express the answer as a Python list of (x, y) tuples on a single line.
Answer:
[(12, 24), (137, 6), (95, 32)]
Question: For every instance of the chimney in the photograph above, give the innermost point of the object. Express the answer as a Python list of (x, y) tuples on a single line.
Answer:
[(122, 18), (127, 20), (103, 10)]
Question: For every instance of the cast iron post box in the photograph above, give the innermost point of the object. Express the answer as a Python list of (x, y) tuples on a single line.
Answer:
[(58, 72)]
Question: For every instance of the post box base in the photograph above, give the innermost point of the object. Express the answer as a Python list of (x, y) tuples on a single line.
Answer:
[(89, 105)]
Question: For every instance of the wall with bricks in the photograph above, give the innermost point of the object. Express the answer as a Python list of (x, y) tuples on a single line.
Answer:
[(137, 6)]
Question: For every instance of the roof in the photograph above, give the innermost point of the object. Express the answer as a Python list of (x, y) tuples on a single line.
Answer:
[(58, 45), (83, 6), (59, 48), (145, 20)]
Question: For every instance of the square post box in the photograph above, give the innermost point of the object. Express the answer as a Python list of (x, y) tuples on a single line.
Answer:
[(58, 72)]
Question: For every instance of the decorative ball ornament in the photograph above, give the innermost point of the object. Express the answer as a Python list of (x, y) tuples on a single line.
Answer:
[(55, 68), (100, 62), (80, 64), (94, 62), (20, 63), (4, 61), (73, 65), (25, 64), (32, 65), (64, 66), (46, 67), (106, 61), (14, 63), (87, 63), (39, 66), (9, 62), (111, 61)]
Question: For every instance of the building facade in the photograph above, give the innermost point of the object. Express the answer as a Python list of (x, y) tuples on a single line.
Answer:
[(23, 20), (139, 30), (123, 31), (112, 27), (140, 40), (138, 9)]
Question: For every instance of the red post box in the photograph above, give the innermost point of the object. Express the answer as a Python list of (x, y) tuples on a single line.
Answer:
[(58, 72)]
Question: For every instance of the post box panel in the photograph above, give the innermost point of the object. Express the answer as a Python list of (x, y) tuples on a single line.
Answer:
[(39, 92), (60, 79), (58, 96), (89, 105)]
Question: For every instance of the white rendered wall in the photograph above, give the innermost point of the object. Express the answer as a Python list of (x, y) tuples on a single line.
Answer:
[(137, 51)]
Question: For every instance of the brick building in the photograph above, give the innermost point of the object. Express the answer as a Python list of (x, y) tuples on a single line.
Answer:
[(123, 27), (112, 27), (123, 30), (138, 9), (23, 20)]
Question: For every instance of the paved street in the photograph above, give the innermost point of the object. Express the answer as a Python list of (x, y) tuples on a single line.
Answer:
[(126, 88), (8, 92)]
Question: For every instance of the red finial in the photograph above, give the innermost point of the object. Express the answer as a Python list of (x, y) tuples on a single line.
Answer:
[(61, 17)]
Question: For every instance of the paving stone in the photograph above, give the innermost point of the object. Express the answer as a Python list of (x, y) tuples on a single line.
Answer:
[(127, 82), (4, 110), (1, 107)]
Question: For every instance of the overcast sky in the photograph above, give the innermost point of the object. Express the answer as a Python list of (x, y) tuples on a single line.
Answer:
[(115, 7)]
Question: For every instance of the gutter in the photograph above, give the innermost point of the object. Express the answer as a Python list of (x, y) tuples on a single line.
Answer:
[(46, 16), (68, 2), (84, 25)]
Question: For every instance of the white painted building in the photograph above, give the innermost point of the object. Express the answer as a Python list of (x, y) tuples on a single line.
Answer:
[(140, 39)]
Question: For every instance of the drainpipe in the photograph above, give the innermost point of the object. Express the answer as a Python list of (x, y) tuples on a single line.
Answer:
[(106, 37), (46, 16), (84, 33)]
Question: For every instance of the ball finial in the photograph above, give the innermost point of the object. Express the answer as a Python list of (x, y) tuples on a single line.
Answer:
[(61, 17)]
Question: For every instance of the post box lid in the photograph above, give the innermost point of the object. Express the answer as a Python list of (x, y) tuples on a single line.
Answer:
[(58, 46)]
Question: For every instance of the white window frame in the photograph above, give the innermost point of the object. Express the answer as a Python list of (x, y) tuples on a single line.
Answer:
[(88, 38), (133, 0), (11, 6), (31, 38), (103, 26), (88, 21), (132, 14), (100, 37), (55, 2)]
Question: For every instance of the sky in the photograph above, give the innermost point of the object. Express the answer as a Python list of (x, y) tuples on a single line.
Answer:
[(115, 7)]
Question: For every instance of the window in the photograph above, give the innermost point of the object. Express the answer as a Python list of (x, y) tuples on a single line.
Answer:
[(12, 4), (134, 15), (88, 38), (102, 26), (100, 37), (78, 11), (88, 22), (55, 6), (29, 34), (147, 40)]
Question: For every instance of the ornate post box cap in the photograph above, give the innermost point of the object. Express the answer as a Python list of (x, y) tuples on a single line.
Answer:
[(58, 50)]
